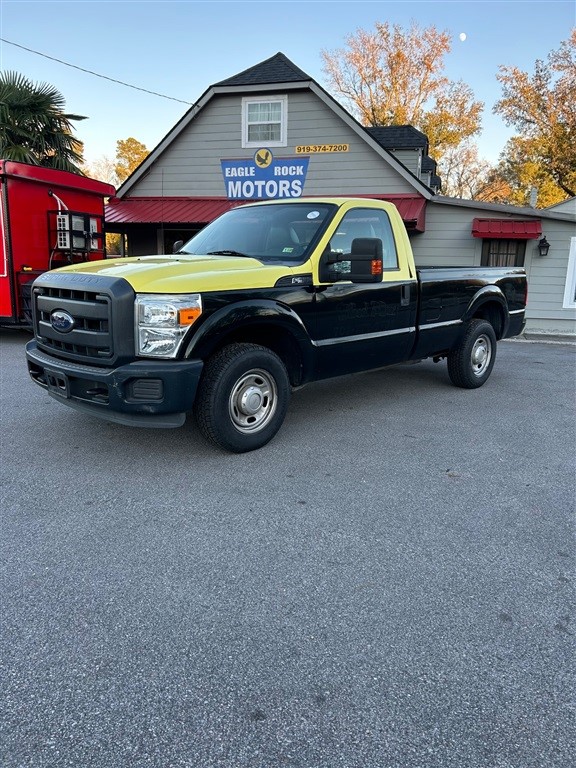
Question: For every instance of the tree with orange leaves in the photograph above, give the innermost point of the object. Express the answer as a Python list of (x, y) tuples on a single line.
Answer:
[(542, 108), (393, 76)]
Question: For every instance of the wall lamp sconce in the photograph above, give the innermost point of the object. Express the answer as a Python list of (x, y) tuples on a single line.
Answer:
[(543, 247)]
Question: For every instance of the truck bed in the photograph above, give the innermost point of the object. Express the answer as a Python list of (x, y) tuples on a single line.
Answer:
[(446, 294)]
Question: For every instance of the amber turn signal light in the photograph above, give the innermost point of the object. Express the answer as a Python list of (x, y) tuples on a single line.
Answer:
[(376, 267), (189, 315)]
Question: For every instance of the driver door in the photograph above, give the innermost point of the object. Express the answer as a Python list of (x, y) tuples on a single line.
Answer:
[(359, 326)]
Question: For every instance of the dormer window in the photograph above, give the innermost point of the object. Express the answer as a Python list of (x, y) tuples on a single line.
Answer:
[(264, 121)]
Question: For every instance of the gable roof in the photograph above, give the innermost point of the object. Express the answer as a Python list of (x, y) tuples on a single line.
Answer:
[(260, 78), (566, 206), (503, 208), (276, 69)]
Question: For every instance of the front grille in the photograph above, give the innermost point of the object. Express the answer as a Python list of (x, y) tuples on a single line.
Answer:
[(101, 328), (90, 336)]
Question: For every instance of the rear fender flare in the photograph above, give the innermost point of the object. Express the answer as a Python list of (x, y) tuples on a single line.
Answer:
[(485, 302)]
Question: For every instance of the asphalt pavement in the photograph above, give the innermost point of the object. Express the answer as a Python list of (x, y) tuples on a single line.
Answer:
[(388, 584)]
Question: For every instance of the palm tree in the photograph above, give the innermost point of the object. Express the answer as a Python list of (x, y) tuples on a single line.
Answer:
[(33, 127)]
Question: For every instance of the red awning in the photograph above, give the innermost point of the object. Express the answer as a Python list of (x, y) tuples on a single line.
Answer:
[(507, 229), (166, 210), (201, 210), (411, 209)]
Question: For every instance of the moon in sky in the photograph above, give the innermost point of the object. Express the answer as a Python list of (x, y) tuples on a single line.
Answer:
[(462, 36)]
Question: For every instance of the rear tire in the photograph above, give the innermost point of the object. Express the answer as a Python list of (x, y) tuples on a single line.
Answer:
[(242, 398), (471, 362)]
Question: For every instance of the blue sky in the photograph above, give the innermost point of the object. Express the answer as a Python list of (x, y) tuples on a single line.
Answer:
[(180, 47)]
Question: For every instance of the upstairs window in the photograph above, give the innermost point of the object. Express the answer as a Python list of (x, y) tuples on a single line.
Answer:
[(264, 122)]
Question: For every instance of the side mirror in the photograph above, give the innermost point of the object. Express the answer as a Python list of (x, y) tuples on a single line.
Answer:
[(367, 260), (364, 263), (177, 245)]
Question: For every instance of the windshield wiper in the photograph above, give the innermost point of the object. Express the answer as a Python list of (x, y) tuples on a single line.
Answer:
[(227, 253)]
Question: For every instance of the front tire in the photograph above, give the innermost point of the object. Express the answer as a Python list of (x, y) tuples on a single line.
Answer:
[(471, 362), (242, 398)]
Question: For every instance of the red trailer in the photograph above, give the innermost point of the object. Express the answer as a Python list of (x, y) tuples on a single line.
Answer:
[(48, 219)]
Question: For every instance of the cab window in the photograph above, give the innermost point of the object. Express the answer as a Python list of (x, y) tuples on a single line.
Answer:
[(366, 222)]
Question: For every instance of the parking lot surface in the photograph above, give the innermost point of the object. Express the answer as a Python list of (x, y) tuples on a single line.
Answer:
[(387, 584)]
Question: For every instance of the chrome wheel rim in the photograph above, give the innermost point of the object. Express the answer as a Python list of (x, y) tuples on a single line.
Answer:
[(481, 355), (253, 401)]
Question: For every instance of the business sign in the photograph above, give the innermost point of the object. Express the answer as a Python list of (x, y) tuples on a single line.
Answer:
[(264, 177)]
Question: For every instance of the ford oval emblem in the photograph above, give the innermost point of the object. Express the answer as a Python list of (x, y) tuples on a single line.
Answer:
[(61, 321)]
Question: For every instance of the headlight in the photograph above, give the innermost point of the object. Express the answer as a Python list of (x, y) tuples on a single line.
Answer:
[(162, 321)]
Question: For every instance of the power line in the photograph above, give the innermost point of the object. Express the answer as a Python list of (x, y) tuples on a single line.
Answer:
[(96, 74)]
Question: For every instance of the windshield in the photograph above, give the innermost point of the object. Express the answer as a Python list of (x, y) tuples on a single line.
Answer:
[(282, 233)]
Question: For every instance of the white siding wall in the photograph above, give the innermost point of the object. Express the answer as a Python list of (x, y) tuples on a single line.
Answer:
[(191, 164), (547, 279)]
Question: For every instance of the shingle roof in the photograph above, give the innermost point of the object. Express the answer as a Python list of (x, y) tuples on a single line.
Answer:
[(428, 164), (398, 136), (276, 69), (393, 137)]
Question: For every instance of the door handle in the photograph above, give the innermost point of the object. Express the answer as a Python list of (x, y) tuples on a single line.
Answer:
[(405, 296)]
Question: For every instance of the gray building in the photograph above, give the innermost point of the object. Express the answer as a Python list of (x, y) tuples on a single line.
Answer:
[(272, 131)]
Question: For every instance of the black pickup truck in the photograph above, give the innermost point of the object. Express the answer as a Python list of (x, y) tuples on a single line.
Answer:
[(266, 298)]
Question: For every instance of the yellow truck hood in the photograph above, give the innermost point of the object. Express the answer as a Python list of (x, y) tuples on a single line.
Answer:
[(187, 273)]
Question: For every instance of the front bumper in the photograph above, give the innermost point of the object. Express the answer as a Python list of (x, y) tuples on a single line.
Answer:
[(145, 393)]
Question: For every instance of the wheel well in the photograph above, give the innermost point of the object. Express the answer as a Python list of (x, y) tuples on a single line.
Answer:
[(493, 313), (274, 337)]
